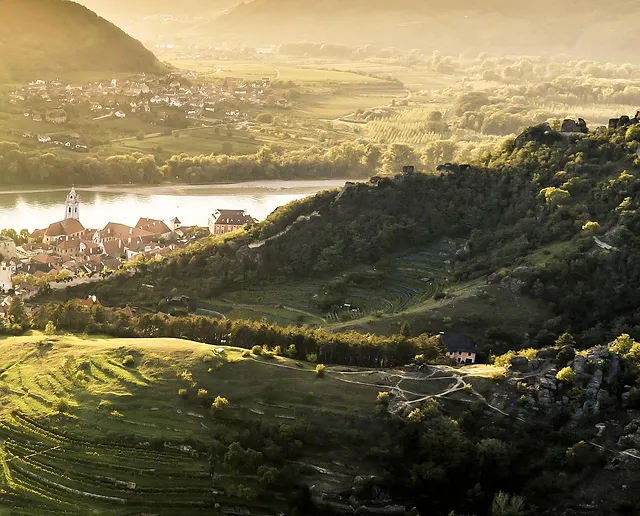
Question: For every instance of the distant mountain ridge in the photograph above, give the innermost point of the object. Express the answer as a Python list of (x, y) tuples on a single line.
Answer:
[(59, 36), (587, 29)]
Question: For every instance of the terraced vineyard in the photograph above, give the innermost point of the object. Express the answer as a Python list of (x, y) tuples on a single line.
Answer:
[(46, 472), (409, 279), (83, 433)]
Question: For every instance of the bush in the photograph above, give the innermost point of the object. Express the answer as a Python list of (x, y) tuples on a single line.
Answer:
[(384, 397), (50, 328), (256, 350), (265, 118), (128, 361), (312, 357), (220, 403), (203, 395), (321, 370), (183, 393), (566, 375)]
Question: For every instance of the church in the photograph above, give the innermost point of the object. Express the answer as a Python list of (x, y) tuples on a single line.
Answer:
[(69, 227)]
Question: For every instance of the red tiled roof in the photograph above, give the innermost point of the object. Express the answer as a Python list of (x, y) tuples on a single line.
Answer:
[(153, 226), (113, 247), (69, 244), (45, 258), (116, 230), (232, 218), (64, 228)]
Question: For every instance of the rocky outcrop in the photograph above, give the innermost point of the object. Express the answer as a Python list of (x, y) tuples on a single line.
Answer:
[(542, 134), (595, 385), (571, 126)]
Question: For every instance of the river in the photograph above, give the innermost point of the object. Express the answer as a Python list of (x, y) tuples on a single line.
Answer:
[(126, 204)]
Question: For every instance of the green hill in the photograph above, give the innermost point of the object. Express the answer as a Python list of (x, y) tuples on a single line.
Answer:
[(45, 37), (537, 215)]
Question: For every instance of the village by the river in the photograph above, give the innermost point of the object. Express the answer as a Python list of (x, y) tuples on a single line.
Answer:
[(57, 238)]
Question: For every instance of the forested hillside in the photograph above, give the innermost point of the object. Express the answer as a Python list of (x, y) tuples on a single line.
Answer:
[(553, 219), (57, 36)]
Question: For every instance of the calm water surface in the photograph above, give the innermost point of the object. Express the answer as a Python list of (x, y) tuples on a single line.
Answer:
[(191, 204)]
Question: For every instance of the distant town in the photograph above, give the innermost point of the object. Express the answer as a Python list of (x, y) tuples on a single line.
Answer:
[(67, 253), (175, 101)]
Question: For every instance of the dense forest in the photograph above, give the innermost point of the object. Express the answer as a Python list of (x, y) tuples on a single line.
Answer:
[(531, 195), (56, 36)]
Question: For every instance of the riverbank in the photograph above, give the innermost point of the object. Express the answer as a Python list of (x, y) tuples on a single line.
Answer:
[(177, 188)]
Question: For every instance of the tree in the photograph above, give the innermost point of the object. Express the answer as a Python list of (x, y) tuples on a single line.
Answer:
[(16, 312)]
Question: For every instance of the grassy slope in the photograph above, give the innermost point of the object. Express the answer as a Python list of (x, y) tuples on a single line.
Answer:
[(121, 418), (140, 404)]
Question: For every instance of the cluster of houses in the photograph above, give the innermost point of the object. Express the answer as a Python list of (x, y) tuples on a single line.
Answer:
[(155, 98), (67, 245)]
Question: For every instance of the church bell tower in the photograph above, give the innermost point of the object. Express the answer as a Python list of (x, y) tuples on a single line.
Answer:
[(72, 206)]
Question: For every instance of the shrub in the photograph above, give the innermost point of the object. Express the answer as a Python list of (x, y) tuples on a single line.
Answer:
[(566, 375), (183, 393), (312, 357), (321, 369), (187, 376), (220, 403), (50, 328), (265, 118), (203, 395), (61, 405), (383, 397), (116, 414), (590, 227), (128, 361), (256, 350)]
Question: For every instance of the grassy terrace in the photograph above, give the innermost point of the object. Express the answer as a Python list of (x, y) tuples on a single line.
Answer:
[(117, 448), (409, 280)]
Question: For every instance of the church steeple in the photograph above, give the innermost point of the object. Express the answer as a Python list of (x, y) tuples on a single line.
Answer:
[(72, 206)]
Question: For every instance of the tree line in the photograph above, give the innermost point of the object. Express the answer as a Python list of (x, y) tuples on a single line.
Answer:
[(301, 343), (347, 159)]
